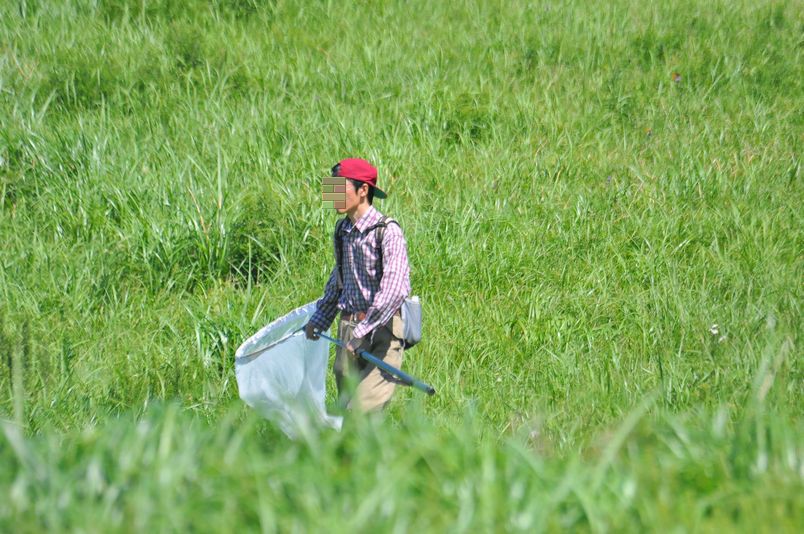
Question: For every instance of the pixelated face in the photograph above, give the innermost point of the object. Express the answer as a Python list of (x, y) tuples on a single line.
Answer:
[(333, 193)]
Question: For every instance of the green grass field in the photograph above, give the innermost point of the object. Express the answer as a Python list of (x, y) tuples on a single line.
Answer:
[(600, 208)]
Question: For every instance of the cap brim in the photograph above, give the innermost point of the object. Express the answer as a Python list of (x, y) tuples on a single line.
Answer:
[(379, 193)]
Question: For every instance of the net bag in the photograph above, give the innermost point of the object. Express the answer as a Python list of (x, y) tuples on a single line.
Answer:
[(282, 375)]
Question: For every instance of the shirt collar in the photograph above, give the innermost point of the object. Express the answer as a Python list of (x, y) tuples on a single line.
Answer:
[(369, 219)]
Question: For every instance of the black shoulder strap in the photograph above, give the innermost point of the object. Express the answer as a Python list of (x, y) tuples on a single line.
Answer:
[(339, 251), (384, 222)]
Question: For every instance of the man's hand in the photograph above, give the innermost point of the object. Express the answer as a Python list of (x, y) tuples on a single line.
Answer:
[(310, 332), (353, 345)]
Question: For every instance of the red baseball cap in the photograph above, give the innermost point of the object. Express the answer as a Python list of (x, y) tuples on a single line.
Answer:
[(360, 170)]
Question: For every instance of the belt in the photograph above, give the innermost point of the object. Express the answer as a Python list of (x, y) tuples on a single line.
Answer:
[(359, 316)]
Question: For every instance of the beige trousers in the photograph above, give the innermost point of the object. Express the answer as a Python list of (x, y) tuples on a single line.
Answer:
[(362, 386)]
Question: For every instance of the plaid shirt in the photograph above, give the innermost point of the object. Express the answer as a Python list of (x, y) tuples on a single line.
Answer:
[(363, 290)]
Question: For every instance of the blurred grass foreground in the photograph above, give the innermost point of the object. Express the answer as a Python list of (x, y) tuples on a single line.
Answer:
[(602, 205)]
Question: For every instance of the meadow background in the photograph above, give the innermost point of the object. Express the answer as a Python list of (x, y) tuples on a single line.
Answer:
[(602, 203)]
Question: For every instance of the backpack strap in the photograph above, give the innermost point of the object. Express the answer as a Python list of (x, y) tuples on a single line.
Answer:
[(380, 226), (339, 251)]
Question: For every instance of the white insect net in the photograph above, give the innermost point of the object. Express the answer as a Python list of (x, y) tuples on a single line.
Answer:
[(282, 375)]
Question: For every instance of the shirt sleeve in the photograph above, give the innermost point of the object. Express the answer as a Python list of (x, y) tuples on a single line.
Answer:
[(395, 284), (327, 306)]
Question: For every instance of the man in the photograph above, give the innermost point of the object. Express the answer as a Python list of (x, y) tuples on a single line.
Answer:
[(374, 285)]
